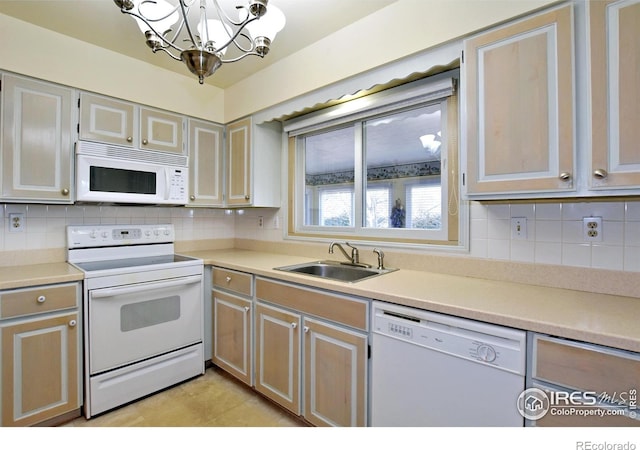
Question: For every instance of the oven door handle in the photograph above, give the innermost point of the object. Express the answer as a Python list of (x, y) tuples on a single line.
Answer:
[(112, 292)]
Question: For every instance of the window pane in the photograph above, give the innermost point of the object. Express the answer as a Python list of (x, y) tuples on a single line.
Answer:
[(329, 178), (378, 207), (336, 208), (403, 149), (425, 206)]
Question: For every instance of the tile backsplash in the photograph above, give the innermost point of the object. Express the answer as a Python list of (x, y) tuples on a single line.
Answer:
[(554, 230), (45, 225), (555, 233)]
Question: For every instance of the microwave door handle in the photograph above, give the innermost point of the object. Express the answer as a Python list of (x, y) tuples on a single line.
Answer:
[(112, 292)]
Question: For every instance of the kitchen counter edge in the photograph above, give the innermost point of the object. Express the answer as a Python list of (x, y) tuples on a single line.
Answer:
[(603, 319)]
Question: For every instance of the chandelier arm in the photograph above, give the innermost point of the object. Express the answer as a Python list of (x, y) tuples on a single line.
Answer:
[(251, 48), (185, 15), (237, 33), (164, 49), (223, 15), (160, 35), (251, 53)]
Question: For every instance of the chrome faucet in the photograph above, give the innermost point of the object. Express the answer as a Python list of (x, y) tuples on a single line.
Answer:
[(380, 254), (355, 256)]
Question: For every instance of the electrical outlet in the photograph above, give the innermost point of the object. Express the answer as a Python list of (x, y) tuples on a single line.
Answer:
[(518, 228), (260, 222), (592, 229), (16, 222)]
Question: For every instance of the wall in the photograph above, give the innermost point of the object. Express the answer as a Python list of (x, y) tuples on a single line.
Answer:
[(373, 41), (44, 237), (43, 54)]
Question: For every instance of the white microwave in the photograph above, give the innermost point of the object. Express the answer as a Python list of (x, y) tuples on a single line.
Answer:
[(113, 174)]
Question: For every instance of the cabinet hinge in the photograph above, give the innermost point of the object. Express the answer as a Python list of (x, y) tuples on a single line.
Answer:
[(463, 180), (462, 57), (369, 351), (78, 102), (78, 128)]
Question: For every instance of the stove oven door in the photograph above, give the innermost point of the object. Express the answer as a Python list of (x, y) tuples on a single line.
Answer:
[(135, 322)]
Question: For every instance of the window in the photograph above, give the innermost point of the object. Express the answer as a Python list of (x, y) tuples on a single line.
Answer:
[(382, 167)]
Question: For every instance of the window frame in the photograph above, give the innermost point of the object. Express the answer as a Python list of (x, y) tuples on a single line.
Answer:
[(448, 236)]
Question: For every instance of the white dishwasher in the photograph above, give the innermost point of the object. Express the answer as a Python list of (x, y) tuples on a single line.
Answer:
[(431, 369)]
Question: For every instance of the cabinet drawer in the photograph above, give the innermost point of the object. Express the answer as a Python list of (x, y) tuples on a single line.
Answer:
[(351, 312), (232, 280), (585, 367), (37, 300)]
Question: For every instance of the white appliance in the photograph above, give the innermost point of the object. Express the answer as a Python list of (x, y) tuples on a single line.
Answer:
[(112, 174), (430, 369), (142, 310)]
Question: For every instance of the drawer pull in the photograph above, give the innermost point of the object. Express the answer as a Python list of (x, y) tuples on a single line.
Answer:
[(73, 323), (600, 174), (228, 279), (42, 299)]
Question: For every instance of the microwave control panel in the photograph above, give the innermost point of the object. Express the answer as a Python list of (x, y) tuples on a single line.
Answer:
[(178, 185)]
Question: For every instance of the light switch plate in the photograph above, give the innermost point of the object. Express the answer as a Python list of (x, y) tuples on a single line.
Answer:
[(518, 228)]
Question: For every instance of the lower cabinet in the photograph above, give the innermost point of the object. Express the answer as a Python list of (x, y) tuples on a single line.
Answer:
[(311, 352), (232, 335), (40, 354)]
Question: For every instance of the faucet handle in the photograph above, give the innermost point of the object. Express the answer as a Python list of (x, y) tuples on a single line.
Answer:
[(380, 254)]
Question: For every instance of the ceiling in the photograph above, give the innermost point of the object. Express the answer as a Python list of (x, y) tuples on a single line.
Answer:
[(101, 23)]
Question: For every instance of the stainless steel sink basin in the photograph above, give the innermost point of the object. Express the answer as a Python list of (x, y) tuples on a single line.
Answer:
[(335, 270)]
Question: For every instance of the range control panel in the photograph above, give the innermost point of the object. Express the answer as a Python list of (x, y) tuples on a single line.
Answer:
[(89, 236)]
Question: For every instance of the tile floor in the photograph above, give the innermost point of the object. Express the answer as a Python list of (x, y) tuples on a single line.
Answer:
[(212, 400)]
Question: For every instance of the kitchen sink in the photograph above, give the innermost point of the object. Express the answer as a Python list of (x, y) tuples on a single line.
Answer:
[(335, 270)]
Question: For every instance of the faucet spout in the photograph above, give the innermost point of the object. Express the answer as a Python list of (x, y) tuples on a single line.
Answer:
[(336, 244), (355, 255)]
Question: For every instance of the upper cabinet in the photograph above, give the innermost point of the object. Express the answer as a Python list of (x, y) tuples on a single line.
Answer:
[(206, 170), (520, 107), (112, 121), (614, 56), (37, 141), (253, 164)]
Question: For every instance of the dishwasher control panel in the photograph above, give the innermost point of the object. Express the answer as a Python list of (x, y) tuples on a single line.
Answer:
[(485, 343)]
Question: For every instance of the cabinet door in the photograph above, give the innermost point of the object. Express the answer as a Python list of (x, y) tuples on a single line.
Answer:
[(40, 370), (335, 361), (107, 120), (614, 38), (232, 335), (37, 127), (205, 163), (162, 131), (520, 113), (278, 356), (239, 163)]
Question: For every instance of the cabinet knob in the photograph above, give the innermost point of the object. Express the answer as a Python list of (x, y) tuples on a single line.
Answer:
[(306, 329), (246, 309), (192, 198), (294, 325), (228, 279), (145, 142), (600, 174), (129, 139), (73, 323), (565, 176), (246, 197), (65, 192), (42, 299)]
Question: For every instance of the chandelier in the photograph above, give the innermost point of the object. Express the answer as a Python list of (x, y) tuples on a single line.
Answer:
[(200, 41)]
